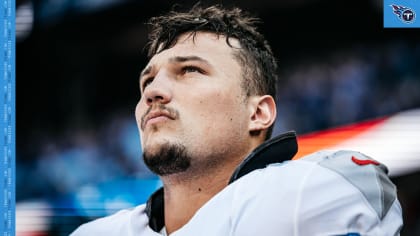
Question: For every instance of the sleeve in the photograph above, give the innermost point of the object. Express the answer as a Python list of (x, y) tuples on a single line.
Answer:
[(346, 193), (126, 222)]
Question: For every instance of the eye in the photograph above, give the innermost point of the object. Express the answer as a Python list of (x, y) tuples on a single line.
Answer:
[(146, 82), (192, 69)]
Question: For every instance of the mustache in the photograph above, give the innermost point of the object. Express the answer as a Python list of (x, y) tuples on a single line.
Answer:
[(159, 108)]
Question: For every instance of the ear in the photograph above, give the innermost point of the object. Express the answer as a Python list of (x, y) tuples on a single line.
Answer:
[(263, 113)]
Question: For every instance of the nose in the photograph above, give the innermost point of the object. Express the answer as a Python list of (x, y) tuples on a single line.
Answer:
[(158, 91)]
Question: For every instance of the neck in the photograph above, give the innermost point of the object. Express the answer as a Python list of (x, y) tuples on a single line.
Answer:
[(185, 195)]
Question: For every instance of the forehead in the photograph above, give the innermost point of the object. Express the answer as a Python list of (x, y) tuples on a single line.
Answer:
[(209, 46)]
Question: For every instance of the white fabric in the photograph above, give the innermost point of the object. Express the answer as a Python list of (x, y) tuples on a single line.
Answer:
[(163, 232), (295, 198)]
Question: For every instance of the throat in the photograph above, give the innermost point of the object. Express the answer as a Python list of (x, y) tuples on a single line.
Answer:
[(186, 192), (182, 201)]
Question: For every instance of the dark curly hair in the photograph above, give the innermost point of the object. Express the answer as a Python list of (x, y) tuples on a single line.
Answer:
[(259, 67)]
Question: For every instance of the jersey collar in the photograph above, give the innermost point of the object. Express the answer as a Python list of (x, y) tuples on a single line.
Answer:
[(275, 150)]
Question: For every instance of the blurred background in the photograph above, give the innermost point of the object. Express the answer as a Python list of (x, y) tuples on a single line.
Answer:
[(77, 68)]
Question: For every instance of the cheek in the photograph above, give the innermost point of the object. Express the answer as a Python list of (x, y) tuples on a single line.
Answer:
[(220, 111), (137, 112)]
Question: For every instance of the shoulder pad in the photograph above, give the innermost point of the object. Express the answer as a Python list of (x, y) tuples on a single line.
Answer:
[(364, 173)]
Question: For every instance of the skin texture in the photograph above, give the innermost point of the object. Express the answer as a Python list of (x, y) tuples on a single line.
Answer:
[(192, 98)]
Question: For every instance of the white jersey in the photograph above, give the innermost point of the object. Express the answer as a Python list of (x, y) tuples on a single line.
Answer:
[(326, 193)]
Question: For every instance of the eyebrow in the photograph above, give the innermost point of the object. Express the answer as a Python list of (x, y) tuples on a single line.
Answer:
[(188, 58), (146, 71), (177, 59)]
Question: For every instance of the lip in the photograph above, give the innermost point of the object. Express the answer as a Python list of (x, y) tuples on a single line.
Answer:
[(156, 117)]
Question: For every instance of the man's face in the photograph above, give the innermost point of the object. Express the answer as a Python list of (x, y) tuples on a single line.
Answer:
[(192, 98)]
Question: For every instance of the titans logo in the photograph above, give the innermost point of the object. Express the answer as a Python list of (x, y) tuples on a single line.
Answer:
[(405, 14)]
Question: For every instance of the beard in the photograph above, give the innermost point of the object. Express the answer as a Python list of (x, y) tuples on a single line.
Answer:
[(169, 159)]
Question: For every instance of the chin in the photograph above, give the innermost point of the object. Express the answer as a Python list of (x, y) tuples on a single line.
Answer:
[(167, 158), (155, 143), (153, 147)]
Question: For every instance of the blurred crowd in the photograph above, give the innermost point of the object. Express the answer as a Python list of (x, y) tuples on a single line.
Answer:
[(83, 157), (347, 86)]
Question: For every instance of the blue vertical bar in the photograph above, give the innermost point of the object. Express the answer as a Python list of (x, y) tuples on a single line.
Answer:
[(12, 155), (7, 121), (3, 125)]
